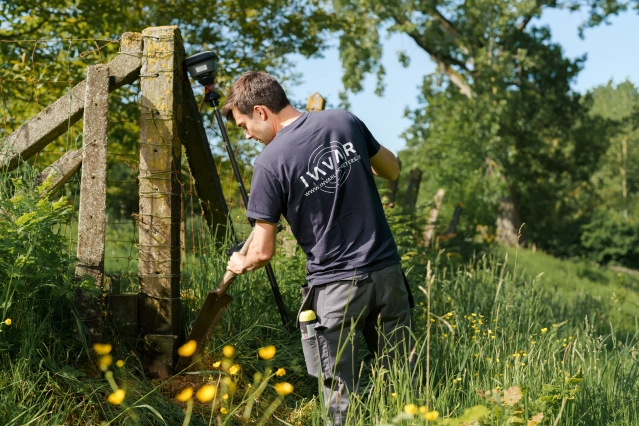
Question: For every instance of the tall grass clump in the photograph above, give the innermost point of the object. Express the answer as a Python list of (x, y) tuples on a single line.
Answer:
[(492, 350)]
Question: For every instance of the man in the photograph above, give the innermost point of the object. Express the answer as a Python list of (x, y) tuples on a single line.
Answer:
[(316, 170)]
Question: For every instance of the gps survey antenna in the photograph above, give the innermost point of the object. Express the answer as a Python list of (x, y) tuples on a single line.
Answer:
[(202, 67)]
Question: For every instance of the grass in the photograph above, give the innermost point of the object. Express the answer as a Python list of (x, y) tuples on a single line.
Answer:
[(496, 343)]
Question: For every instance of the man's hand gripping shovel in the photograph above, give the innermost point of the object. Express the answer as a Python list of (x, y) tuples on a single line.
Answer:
[(212, 311)]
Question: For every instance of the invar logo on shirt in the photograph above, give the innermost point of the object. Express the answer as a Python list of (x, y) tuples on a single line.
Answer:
[(329, 167)]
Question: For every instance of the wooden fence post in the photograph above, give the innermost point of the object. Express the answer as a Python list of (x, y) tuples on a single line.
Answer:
[(92, 212), (160, 152)]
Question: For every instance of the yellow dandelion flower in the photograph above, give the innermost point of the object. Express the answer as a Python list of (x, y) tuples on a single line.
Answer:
[(105, 361), (533, 342), (120, 363), (490, 331), (393, 394), (7, 321), (217, 364), (410, 409), (185, 395), (117, 397), (223, 410), (475, 355), (454, 326), (235, 368), (431, 415), (225, 396), (267, 352), (493, 337), (445, 335), (102, 348), (280, 372), (543, 330), (228, 351), (423, 410), (283, 388), (188, 348), (206, 393), (473, 314)]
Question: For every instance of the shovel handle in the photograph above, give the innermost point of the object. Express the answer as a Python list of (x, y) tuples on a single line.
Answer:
[(229, 276)]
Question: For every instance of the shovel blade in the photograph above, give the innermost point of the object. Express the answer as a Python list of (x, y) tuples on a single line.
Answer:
[(211, 313)]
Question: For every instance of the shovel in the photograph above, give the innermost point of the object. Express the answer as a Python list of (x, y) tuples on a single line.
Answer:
[(212, 311)]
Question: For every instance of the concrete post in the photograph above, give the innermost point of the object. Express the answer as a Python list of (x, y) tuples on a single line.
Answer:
[(92, 212), (161, 82)]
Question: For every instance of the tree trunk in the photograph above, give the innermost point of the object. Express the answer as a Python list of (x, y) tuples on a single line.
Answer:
[(509, 221), (432, 217)]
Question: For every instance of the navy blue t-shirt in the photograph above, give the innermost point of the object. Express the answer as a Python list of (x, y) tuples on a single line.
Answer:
[(317, 174)]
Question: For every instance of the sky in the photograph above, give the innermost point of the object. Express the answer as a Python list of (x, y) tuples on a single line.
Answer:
[(606, 46)]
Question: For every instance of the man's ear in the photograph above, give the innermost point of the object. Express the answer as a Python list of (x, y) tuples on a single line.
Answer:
[(261, 111)]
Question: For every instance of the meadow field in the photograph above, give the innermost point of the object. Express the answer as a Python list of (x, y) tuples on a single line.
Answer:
[(503, 336)]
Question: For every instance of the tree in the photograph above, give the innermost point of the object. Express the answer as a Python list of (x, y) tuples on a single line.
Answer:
[(500, 107), (246, 34)]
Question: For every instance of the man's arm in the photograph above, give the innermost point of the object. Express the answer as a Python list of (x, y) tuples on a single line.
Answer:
[(261, 250), (385, 164)]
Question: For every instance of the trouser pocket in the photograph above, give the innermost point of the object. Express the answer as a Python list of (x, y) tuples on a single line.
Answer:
[(311, 355)]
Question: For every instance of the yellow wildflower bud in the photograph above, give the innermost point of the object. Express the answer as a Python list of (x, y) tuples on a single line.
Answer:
[(543, 330), (410, 409), (206, 393), (280, 372), (102, 349), (117, 397), (223, 410), (8, 322), (283, 388), (225, 396), (230, 385), (185, 395), (228, 351), (267, 352), (431, 415), (188, 348), (423, 410), (235, 368), (105, 361), (394, 394), (120, 363), (226, 364), (445, 335), (217, 364)]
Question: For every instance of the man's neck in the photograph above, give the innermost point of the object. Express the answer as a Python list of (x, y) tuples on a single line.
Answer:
[(286, 117)]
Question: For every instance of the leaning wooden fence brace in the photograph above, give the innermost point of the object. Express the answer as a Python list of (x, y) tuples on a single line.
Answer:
[(61, 171), (56, 118)]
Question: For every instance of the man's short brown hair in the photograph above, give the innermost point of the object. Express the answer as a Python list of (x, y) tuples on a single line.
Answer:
[(255, 88)]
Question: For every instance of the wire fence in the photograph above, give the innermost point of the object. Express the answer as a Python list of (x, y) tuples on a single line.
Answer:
[(35, 74)]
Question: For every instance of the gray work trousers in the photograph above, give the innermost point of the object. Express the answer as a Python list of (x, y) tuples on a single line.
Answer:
[(376, 306)]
